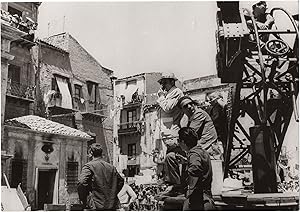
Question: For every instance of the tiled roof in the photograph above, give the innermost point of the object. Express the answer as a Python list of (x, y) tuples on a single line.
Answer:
[(60, 40), (44, 125), (52, 45)]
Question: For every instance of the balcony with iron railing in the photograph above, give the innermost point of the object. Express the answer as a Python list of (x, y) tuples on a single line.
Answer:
[(19, 90), (131, 127)]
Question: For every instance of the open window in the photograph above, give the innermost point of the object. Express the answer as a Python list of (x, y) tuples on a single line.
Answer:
[(93, 93), (92, 90), (61, 86), (54, 85), (78, 91), (14, 73), (131, 117), (131, 150)]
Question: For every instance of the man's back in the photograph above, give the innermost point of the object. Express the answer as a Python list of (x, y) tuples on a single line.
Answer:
[(201, 122), (104, 182)]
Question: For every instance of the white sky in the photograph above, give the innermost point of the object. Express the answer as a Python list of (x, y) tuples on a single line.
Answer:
[(136, 37)]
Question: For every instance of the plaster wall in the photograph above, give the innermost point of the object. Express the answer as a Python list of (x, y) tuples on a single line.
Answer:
[(27, 145)]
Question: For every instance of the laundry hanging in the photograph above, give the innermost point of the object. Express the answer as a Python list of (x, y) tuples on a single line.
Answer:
[(66, 101)]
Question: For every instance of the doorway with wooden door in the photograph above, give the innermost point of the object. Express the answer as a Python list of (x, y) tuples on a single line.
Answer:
[(45, 187)]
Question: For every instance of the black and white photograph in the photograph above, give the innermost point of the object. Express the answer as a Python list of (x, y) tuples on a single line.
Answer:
[(150, 105)]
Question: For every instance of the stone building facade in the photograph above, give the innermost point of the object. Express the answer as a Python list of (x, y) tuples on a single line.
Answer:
[(74, 89), (134, 114), (47, 159), (18, 24), (64, 84), (20, 76)]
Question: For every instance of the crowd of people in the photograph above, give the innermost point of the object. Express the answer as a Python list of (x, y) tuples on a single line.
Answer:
[(291, 186), (146, 197)]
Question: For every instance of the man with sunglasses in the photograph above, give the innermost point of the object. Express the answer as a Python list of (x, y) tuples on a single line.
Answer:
[(169, 117), (168, 96), (202, 124)]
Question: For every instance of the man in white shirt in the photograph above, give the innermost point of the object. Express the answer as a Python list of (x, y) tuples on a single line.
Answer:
[(169, 116), (126, 196)]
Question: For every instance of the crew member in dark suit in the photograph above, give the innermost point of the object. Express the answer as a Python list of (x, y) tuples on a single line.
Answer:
[(99, 182)]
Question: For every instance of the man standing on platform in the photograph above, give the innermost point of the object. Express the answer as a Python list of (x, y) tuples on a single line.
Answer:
[(169, 117)]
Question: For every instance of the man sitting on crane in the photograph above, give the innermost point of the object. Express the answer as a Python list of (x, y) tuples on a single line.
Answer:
[(264, 20)]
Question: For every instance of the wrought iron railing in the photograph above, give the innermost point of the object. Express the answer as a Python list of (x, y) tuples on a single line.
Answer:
[(133, 160), (131, 125), (20, 90), (78, 103), (93, 105)]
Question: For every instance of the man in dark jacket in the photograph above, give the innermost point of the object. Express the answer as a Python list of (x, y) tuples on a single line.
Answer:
[(199, 172), (202, 124), (217, 112), (99, 182)]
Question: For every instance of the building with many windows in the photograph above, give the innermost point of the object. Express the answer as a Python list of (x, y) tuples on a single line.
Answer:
[(55, 99), (134, 115), (18, 25), (74, 89)]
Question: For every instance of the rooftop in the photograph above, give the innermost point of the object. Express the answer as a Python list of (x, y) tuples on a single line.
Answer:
[(136, 75), (44, 125), (52, 45)]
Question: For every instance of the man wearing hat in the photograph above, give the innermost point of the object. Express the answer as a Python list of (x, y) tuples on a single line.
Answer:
[(200, 121), (168, 97), (263, 19), (169, 117)]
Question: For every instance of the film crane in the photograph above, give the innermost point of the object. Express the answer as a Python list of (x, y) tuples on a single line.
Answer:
[(264, 77)]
